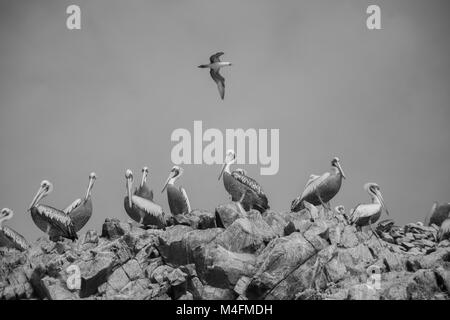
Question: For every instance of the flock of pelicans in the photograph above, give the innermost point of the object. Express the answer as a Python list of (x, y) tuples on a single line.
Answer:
[(245, 191)]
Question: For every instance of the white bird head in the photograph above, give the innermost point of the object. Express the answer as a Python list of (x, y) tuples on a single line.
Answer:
[(337, 164), (45, 189), (230, 158), (374, 190), (174, 174), (6, 214)]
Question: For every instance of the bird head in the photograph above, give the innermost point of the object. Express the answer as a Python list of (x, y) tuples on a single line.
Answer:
[(174, 174), (337, 164), (6, 214), (45, 189), (230, 158)]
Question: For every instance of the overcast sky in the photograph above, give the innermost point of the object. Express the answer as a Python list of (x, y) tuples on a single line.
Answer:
[(108, 97)]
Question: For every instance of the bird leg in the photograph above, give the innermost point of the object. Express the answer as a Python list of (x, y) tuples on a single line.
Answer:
[(321, 201), (239, 203)]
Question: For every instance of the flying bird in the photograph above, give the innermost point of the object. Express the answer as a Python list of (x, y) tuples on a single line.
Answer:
[(143, 191), (319, 190), (177, 198), (214, 65), (241, 187), (80, 211), (8, 237), (142, 210), (53, 222)]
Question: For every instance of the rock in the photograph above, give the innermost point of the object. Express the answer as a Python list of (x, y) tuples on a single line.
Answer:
[(276, 222), (177, 280), (222, 268), (56, 290), (211, 293), (119, 279), (152, 266), (246, 235), (178, 244), (195, 286), (279, 260), (94, 272), (197, 219), (363, 292), (113, 229), (241, 285), (348, 238), (422, 286), (133, 270), (186, 296), (226, 214), (160, 274)]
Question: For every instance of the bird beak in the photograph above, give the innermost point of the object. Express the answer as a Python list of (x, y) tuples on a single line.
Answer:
[(90, 185), (221, 171), (144, 178), (37, 198), (380, 197), (129, 183), (167, 181), (342, 171)]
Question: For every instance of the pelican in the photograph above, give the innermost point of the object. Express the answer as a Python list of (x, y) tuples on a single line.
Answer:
[(8, 237), (80, 211), (143, 191), (367, 214), (438, 213), (321, 189), (444, 230), (178, 199), (142, 210), (214, 65), (52, 221), (241, 187)]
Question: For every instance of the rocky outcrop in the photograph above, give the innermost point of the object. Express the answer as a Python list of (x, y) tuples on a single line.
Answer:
[(230, 254)]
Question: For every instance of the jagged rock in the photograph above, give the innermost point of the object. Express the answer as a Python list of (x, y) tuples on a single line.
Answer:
[(178, 244), (278, 261), (186, 296), (195, 286), (197, 219), (246, 235), (276, 222), (211, 293), (113, 228), (133, 270), (118, 279), (160, 274), (56, 290), (155, 263), (226, 214), (348, 238), (178, 283), (222, 268), (94, 272), (363, 292), (241, 285)]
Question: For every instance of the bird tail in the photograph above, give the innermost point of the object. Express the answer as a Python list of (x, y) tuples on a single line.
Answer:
[(297, 205), (203, 66), (262, 205)]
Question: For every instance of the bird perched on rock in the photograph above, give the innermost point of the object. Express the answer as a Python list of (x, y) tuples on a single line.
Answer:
[(177, 197), (241, 187), (319, 190), (214, 65)]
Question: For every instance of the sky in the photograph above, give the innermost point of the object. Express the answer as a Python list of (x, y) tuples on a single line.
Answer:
[(108, 97)]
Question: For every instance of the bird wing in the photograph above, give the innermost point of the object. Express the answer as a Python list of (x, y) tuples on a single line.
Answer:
[(313, 183), (147, 206), (56, 219), (72, 206), (365, 210), (219, 80), (444, 229), (186, 199), (215, 57), (248, 182), (15, 237)]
